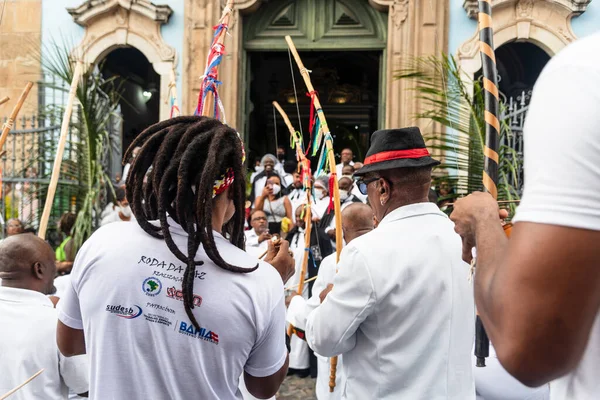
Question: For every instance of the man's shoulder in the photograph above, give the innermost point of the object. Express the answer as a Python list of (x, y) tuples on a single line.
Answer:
[(582, 52)]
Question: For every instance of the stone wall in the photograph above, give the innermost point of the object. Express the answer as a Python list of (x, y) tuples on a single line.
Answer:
[(20, 43)]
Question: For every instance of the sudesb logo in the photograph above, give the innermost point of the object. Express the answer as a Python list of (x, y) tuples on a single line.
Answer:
[(176, 294), (125, 312)]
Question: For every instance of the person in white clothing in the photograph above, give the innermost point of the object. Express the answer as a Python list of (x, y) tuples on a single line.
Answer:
[(401, 309), (322, 199), (346, 159), (357, 220), (127, 166), (168, 307), (538, 292), (117, 211), (268, 163), (257, 238), (28, 325)]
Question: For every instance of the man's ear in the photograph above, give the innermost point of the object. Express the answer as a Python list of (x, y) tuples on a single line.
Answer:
[(38, 270)]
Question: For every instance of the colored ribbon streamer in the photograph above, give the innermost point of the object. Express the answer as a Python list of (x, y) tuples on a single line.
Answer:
[(210, 81)]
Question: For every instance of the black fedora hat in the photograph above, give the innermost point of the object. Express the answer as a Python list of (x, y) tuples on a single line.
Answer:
[(396, 148)]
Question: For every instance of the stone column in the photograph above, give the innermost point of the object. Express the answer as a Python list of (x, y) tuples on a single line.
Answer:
[(415, 29)]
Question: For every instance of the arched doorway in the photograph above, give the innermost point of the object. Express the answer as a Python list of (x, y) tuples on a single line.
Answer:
[(343, 43), (140, 90), (519, 66)]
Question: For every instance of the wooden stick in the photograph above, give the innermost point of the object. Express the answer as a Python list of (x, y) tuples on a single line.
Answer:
[(308, 213), (4, 100), (64, 130), (286, 119), (13, 115), (304, 282), (209, 101), (332, 167), (4, 396), (173, 94), (499, 202)]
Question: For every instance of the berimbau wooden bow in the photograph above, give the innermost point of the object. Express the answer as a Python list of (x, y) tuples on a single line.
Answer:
[(492, 134), (299, 147), (331, 160), (210, 80)]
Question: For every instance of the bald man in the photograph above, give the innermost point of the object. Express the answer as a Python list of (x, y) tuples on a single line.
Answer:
[(28, 324), (357, 219)]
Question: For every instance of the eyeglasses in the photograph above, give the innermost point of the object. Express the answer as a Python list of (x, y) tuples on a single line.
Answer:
[(363, 184), (259, 219)]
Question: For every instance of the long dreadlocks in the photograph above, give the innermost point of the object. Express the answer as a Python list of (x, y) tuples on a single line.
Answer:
[(174, 174)]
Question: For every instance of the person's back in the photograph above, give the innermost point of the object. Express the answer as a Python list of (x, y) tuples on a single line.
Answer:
[(171, 313), (420, 332), (28, 325), (129, 289)]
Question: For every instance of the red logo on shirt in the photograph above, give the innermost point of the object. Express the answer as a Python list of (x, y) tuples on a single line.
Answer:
[(177, 294)]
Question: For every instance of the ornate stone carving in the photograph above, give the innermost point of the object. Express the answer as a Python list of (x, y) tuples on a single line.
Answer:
[(524, 8), (90, 9), (116, 23), (576, 7), (399, 9)]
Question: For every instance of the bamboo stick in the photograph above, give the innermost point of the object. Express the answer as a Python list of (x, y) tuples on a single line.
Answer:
[(308, 215), (4, 100), (304, 282), (13, 115), (336, 190), (499, 202), (209, 101), (4, 396), (64, 130)]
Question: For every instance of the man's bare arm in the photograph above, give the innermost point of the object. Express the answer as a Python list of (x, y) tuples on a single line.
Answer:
[(537, 294), (266, 387), (71, 342)]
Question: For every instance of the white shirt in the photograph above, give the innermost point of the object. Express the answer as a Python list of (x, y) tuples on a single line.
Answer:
[(126, 296), (339, 167), (126, 169), (298, 312), (401, 311), (254, 248), (320, 207), (562, 172), (27, 344)]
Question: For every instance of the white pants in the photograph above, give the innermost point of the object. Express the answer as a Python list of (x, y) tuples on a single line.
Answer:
[(323, 372), (299, 355)]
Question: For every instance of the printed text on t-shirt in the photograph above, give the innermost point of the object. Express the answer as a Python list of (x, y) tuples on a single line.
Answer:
[(167, 267)]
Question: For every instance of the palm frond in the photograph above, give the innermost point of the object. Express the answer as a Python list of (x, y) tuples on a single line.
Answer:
[(458, 104)]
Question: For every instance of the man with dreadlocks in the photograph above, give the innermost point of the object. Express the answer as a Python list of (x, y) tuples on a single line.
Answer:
[(174, 308)]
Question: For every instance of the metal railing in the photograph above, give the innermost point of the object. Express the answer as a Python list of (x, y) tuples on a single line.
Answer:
[(27, 164)]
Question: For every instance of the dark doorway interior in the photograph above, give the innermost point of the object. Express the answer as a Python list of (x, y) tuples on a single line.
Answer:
[(519, 65), (348, 87), (140, 88)]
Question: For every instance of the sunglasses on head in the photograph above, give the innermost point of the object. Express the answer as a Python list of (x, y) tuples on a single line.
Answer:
[(363, 184)]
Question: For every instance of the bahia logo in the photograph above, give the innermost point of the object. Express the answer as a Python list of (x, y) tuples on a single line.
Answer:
[(125, 312), (152, 286), (202, 333)]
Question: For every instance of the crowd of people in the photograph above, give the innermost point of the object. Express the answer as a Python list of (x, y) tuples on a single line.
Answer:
[(187, 294)]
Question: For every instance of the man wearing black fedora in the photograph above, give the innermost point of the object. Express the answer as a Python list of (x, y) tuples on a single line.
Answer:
[(401, 309)]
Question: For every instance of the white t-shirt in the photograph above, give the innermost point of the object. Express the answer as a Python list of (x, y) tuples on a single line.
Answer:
[(254, 248), (126, 296), (401, 311), (562, 172), (27, 344)]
